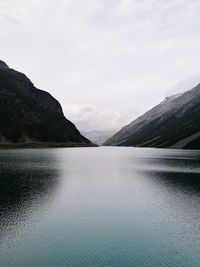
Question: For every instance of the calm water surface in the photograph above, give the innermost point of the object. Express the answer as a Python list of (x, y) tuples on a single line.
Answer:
[(95, 207)]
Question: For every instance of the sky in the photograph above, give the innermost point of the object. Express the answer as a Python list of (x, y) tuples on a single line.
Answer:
[(106, 61)]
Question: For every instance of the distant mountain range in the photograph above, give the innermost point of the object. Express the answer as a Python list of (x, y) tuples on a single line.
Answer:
[(98, 137), (174, 123), (29, 116)]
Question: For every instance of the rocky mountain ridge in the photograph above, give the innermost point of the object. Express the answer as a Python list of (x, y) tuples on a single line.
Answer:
[(173, 123), (32, 116)]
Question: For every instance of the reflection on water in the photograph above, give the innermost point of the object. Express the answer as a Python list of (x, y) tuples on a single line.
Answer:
[(28, 180), (100, 207), (188, 182), (179, 169)]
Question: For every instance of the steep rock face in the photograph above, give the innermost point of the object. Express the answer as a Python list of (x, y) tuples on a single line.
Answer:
[(30, 115), (173, 123)]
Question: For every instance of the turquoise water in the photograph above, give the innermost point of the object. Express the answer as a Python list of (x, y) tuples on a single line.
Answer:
[(98, 207)]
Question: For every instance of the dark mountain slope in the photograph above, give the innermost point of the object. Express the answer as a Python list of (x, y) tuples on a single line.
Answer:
[(29, 115), (173, 123)]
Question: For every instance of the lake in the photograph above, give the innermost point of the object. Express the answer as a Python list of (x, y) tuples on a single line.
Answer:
[(95, 207)]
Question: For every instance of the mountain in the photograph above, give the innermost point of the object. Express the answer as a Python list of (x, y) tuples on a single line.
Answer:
[(29, 116), (173, 123), (98, 137)]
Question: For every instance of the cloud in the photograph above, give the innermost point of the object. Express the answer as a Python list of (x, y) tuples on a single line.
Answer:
[(184, 85), (112, 55), (88, 118)]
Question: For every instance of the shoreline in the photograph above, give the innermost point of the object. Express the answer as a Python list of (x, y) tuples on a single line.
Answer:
[(45, 145)]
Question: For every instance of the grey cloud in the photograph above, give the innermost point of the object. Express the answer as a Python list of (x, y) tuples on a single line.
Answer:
[(90, 118), (184, 85), (111, 55)]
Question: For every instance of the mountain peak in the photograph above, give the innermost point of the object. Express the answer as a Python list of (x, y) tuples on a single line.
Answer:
[(3, 65), (32, 117)]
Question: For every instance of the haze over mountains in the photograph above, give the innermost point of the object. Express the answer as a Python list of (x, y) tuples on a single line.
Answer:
[(173, 123), (98, 137), (32, 116), (183, 86)]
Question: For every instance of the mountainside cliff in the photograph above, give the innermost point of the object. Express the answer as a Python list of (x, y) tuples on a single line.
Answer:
[(32, 116), (173, 123)]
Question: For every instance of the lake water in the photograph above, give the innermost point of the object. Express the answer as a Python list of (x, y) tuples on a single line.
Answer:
[(95, 207)]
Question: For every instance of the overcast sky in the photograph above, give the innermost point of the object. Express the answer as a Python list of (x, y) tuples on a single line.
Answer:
[(106, 61)]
